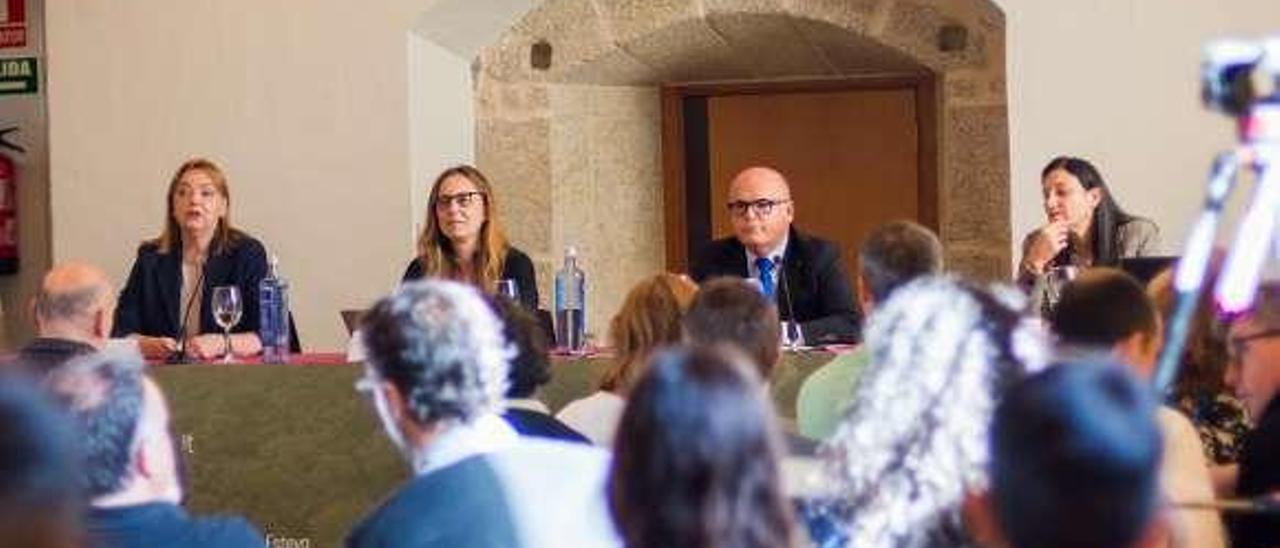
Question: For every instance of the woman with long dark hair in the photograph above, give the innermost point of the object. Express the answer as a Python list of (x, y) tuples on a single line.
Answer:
[(1085, 226), (696, 463), (463, 240)]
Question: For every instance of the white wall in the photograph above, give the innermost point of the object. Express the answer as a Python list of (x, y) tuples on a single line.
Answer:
[(1117, 81), (305, 105)]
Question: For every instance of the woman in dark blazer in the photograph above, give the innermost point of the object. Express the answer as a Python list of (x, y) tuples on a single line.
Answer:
[(167, 298), (463, 240)]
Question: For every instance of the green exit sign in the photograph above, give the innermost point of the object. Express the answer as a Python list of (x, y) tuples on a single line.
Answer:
[(18, 75)]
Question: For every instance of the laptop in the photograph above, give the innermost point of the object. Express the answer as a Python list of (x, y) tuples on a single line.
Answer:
[(1147, 268)]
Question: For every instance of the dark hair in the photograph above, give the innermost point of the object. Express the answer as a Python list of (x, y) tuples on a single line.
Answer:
[(103, 393), (696, 457), (40, 498), (1204, 358), (1107, 217), (729, 311), (531, 366), (896, 253), (1075, 458), (1102, 307)]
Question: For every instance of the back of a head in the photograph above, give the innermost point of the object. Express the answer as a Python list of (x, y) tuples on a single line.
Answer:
[(1102, 307), (68, 296), (531, 365), (913, 441), (442, 347), (649, 319), (696, 457), (40, 497), (103, 392), (731, 311), (896, 253), (1075, 459)]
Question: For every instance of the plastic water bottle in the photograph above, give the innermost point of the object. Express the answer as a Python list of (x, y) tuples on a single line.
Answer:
[(273, 308), (571, 306)]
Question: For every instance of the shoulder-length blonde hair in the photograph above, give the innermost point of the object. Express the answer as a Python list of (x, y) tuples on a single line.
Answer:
[(649, 318), (435, 251), (171, 237)]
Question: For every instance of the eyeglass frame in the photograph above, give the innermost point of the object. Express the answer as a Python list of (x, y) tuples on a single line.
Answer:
[(1237, 346), (461, 199), (762, 207)]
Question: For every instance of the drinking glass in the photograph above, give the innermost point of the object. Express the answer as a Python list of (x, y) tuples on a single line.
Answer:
[(227, 308), (792, 336), (1055, 280), (508, 287)]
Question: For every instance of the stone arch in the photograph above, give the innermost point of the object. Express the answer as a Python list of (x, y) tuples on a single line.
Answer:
[(575, 147)]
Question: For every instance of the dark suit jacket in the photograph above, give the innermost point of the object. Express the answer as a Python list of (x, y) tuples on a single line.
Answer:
[(814, 279), (44, 354), (517, 266), (150, 302), (541, 425), (459, 506), (163, 524), (1259, 475)]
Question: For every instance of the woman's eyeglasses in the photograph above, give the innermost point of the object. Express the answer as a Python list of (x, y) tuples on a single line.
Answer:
[(463, 199)]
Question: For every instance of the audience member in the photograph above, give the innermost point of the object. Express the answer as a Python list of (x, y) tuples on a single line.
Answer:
[(803, 274), (1254, 373), (697, 458), (131, 473), (436, 373), (1199, 391), (1074, 452), (1106, 310), (915, 437), (892, 255), (732, 312), (73, 310), (530, 368), (40, 500), (650, 318)]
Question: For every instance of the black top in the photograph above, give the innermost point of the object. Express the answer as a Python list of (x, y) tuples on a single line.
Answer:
[(44, 354), (541, 425), (150, 303), (459, 506), (164, 524), (516, 266), (814, 280), (1259, 475)]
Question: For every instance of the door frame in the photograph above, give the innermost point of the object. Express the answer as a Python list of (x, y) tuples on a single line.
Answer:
[(679, 203)]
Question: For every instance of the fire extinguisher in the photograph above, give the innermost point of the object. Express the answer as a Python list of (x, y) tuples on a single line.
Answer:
[(8, 203)]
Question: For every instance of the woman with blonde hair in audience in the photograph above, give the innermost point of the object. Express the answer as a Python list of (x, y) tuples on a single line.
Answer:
[(650, 318), (914, 440), (697, 457), (462, 238)]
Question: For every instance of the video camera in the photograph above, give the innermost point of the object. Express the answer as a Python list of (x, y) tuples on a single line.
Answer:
[(1239, 74)]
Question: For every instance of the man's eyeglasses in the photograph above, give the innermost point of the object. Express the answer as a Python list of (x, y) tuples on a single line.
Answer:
[(1236, 346), (762, 207), (463, 199)]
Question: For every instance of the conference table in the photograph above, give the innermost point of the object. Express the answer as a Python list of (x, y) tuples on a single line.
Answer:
[(295, 449)]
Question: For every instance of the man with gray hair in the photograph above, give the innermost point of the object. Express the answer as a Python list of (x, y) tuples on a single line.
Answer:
[(436, 373), (892, 255), (73, 310), (130, 470)]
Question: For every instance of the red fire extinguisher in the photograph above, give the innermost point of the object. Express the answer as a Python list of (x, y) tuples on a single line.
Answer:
[(8, 203)]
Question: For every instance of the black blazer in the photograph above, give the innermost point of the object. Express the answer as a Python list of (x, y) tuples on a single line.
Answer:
[(814, 278), (150, 302), (517, 266)]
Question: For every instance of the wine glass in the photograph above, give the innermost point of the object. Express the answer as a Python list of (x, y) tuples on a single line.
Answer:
[(227, 307), (1055, 280), (792, 336)]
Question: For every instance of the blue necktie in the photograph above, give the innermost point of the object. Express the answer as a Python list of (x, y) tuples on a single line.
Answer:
[(765, 267)]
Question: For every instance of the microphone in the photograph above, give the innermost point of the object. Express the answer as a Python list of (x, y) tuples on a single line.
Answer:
[(180, 355), (785, 294)]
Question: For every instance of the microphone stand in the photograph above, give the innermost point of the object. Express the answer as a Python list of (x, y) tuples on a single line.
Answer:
[(794, 340), (180, 355)]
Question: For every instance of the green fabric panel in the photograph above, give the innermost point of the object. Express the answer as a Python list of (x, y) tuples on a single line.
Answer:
[(298, 451)]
